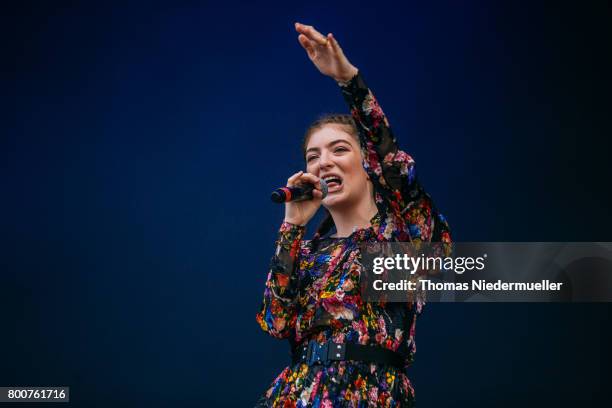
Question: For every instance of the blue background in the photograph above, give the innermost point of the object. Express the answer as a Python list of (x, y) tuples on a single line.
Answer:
[(140, 143)]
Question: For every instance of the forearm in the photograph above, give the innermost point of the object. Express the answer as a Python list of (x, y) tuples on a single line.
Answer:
[(371, 121), (392, 169), (277, 313)]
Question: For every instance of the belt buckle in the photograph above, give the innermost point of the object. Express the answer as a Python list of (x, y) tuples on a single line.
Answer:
[(317, 353)]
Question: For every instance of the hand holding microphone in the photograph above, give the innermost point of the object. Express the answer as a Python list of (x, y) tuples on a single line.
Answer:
[(302, 197), (298, 193)]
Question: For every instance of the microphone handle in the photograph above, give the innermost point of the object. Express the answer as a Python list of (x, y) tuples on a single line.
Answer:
[(297, 193)]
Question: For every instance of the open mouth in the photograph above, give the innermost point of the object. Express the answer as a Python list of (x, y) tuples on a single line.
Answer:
[(333, 182)]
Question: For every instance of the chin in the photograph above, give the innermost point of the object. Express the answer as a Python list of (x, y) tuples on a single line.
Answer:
[(335, 201)]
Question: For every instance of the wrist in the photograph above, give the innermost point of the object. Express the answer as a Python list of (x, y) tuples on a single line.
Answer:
[(346, 77)]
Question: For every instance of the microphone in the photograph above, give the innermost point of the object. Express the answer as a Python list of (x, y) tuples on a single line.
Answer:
[(296, 193)]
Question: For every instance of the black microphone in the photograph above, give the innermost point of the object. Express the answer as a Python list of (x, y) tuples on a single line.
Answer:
[(298, 193)]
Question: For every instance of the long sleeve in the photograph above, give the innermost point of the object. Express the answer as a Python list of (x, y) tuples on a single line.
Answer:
[(278, 310), (392, 170)]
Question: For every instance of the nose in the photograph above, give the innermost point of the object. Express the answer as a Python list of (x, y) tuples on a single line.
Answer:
[(325, 160)]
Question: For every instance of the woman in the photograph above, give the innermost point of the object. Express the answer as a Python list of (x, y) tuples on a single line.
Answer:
[(312, 293)]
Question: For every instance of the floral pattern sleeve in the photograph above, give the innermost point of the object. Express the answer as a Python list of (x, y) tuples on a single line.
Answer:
[(392, 172), (393, 169), (278, 310)]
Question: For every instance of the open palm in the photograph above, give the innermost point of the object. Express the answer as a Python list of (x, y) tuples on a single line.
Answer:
[(325, 53)]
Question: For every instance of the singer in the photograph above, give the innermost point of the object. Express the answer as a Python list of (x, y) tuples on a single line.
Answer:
[(345, 352)]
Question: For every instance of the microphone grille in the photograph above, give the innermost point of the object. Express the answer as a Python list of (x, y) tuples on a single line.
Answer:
[(323, 188)]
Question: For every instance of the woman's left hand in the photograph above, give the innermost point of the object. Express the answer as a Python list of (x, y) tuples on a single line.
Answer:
[(325, 53)]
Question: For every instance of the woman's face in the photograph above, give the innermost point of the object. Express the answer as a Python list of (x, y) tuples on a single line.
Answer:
[(335, 156)]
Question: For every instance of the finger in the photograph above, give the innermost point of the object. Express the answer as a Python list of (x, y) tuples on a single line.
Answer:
[(317, 194), (306, 43), (311, 33), (312, 179), (292, 180), (334, 43)]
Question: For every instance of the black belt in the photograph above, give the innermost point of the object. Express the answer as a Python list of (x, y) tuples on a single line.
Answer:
[(314, 353)]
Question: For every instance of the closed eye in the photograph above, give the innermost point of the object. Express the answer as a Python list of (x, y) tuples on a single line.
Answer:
[(310, 158)]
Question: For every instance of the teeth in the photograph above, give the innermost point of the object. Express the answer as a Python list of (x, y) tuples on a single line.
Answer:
[(327, 179)]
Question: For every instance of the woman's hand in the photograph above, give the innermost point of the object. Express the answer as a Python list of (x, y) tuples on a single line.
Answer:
[(299, 213), (325, 53)]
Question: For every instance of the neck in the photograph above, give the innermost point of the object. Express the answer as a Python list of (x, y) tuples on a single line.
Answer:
[(348, 220)]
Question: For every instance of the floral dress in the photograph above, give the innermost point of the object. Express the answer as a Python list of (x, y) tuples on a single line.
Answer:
[(312, 290)]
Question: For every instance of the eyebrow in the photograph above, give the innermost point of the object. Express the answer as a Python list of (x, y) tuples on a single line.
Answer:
[(330, 144)]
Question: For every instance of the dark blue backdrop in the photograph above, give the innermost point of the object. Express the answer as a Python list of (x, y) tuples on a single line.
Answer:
[(141, 141)]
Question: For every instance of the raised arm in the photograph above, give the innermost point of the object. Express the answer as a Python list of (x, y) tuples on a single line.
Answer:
[(391, 169)]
